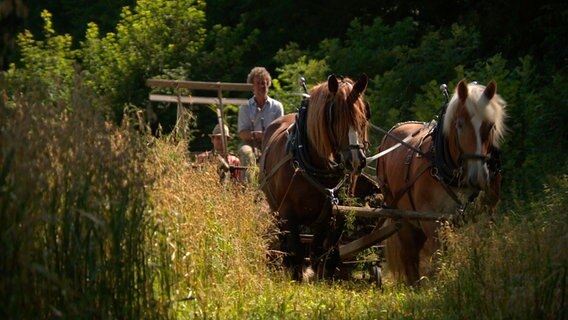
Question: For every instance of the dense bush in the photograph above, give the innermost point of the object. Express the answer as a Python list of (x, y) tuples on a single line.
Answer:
[(154, 39)]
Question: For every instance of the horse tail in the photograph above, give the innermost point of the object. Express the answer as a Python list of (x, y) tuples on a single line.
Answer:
[(402, 251), (393, 257)]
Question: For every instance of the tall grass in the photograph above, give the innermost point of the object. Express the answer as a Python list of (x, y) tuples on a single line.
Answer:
[(516, 269), (73, 215), (217, 235)]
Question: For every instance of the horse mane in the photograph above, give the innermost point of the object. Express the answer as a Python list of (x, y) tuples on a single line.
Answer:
[(492, 111), (343, 116)]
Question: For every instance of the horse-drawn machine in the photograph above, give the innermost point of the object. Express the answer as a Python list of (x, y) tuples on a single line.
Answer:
[(426, 173)]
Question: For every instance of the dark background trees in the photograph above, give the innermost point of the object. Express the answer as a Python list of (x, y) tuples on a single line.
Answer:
[(514, 28)]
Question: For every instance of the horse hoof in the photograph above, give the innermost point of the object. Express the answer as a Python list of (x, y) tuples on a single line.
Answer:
[(308, 275)]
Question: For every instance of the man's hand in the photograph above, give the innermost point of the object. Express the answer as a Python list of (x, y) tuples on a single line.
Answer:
[(257, 135)]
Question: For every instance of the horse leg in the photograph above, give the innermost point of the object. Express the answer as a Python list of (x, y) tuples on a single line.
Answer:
[(324, 253), (317, 252), (292, 246), (334, 260)]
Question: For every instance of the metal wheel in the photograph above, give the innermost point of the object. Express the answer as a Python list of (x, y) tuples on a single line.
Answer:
[(378, 275)]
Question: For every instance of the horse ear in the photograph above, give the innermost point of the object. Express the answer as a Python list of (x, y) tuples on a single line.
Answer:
[(332, 84), (490, 90), (361, 84), (462, 90)]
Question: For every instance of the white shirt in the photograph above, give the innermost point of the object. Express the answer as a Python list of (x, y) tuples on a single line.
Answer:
[(253, 118)]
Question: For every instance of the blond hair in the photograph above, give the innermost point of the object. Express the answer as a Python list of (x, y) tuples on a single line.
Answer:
[(259, 72)]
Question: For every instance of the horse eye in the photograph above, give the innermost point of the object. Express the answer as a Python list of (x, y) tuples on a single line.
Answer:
[(486, 130)]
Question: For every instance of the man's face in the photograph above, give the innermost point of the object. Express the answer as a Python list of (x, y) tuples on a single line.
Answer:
[(260, 87), (217, 143)]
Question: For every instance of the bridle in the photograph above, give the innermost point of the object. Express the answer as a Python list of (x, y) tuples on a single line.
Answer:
[(446, 168), (354, 144)]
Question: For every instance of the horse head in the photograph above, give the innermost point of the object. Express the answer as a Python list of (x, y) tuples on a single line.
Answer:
[(474, 125), (341, 115)]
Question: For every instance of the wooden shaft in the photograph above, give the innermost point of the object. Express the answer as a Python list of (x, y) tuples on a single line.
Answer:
[(390, 213), (349, 250)]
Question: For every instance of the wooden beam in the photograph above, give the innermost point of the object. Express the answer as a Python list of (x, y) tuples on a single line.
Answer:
[(390, 213), (377, 235), (199, 85), (196, 100)]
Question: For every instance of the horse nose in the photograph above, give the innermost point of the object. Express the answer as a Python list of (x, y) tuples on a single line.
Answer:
[(358, 160), (479, 177)]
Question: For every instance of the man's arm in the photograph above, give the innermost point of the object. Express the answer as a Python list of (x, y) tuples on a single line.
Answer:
[(251, 135)]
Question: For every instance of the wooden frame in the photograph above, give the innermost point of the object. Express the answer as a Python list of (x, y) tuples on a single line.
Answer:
[(219, 100)]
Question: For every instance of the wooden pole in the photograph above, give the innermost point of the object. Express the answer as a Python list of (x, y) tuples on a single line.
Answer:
[(389, 213), (220, 119), (377, 235)]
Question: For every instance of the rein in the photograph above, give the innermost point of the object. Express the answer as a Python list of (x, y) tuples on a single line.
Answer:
[(403, 142)]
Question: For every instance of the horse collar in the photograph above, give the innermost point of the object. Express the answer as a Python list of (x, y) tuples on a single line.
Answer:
[(299, 147), (446, 168)]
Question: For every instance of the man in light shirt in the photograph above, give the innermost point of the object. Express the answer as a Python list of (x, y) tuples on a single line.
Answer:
[(255, 116)]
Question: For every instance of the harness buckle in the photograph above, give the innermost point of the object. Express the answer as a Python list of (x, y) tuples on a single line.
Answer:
[(458, 172), (295, 164), (335, 201), (332, 198), (435, 173)]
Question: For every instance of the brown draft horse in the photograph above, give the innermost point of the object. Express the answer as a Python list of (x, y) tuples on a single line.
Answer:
[(307, 157), (445, 165)]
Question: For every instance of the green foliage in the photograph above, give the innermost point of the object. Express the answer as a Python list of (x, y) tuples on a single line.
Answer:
[(428, 103), (399, 70), (290, 54), (288, 89), (221, 58), (368, 48), (48, 66), (155, 37), (431, 62)]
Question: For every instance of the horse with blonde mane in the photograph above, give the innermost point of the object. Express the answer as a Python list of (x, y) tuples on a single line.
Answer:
[(307, 157), (442, 167)]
